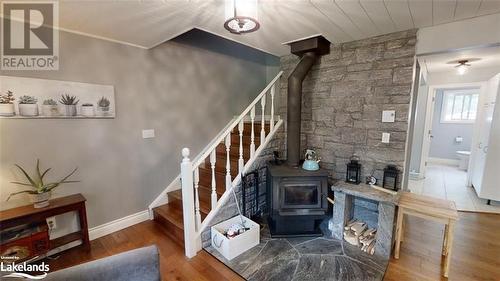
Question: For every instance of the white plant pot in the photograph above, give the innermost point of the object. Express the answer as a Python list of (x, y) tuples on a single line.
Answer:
[(7, 109), (28, 109), (68, 110), (87, 111), (50, 110), (233, 247), (40, 200), (102, 111)]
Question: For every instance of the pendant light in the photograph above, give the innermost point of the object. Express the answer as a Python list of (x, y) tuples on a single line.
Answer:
[(241, 16)]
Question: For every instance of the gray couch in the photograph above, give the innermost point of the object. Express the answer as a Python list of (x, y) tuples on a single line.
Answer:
[(136, 265)]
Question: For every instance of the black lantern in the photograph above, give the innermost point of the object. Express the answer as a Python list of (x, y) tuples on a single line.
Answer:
[(353, 174), (391, 174)]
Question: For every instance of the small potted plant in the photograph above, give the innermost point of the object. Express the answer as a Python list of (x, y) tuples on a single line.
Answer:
[(28, 106), (49, 108), (7, 104), (40, 191), (103, 107), (87, 110), (68, 105)]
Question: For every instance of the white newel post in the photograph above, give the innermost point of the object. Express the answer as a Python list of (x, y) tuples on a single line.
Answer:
[(263, 121), (228, 161), (188, 204), (213, 159), (273, 88), (252, 136), (241, 162)]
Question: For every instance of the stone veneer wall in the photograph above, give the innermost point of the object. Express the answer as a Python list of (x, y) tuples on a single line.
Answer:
[(344, 96)]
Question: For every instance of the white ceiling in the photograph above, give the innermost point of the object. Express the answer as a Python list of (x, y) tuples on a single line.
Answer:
[(148, 23), (488, 58)]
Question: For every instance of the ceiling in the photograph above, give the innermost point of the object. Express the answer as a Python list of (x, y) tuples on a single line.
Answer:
[(148, 23), (488, 58)]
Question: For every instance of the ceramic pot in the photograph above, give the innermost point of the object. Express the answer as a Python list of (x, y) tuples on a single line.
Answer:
[(87, 111), (103, 111), (50, 110), (28, 109), (40, 200), (68, 110), (7, 109)]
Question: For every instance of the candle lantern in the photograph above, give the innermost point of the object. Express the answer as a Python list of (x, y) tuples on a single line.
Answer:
[(353, 174), (391, 174)]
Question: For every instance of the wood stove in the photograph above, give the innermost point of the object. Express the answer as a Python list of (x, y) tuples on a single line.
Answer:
[(296, 200)]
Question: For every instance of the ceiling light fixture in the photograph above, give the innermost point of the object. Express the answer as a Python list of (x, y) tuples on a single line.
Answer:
[(462, 66), (241, 16)]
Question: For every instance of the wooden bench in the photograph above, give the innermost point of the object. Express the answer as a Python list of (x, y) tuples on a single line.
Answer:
[(430, 208)]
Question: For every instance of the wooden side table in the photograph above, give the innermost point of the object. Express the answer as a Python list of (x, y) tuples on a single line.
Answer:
[(430, 208), (28, 214)]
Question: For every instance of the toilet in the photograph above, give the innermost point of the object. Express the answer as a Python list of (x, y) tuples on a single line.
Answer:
[(463, 159)]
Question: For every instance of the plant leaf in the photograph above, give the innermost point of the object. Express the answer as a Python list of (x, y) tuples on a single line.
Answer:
[(26, 175), (43, 174), (20, 183), (40, 180), (19, 192)]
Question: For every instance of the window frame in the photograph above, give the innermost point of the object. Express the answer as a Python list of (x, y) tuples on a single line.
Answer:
[(444, 105)]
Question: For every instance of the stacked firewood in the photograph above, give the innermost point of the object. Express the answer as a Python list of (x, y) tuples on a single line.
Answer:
[(358, 234)]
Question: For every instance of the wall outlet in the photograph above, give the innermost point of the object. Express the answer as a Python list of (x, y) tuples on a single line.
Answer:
[(148, 134), (386, 137), (51, 222), (388, 116)]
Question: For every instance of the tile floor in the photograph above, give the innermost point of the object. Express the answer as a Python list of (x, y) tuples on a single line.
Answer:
[(448, 182)]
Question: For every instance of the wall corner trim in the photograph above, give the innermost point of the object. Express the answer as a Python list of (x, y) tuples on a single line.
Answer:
[(118, 224)]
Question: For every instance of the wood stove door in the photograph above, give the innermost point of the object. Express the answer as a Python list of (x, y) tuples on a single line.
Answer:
[(300, 194)]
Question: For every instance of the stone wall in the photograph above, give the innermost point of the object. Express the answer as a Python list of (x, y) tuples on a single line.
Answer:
[(344, 96)]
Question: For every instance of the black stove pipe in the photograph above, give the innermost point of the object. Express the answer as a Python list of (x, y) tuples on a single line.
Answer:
[(295, 105)]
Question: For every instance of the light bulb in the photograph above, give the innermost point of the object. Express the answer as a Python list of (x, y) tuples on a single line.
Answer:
[(461, 69)]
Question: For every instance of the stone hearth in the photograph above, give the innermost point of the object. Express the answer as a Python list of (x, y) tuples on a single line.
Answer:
[(305, 258)]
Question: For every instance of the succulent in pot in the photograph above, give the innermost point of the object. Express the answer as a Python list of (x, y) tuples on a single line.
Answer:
[(28, 106), (7, 104), (103, 106), (87, 110), (40, 191), (69, 105), (49, 108)]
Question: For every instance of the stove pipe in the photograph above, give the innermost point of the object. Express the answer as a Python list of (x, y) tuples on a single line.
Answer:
[(308, 49)]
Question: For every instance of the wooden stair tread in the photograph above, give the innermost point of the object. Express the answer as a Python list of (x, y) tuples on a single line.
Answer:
[(171, 213), (205, 199)]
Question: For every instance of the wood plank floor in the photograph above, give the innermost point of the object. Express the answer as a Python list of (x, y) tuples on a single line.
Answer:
[(476, 252)]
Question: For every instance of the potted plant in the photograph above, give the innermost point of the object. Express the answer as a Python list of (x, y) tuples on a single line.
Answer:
[(49, 108), (28, 106), (103, 106), (7, 104), (40, 191), (68, 105), (87, 110)]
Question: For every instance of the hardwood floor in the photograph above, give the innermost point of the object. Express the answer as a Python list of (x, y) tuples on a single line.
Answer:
[(475, 256)]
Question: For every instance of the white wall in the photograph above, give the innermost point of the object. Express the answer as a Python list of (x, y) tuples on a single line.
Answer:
[(479, 31), (472, 75)]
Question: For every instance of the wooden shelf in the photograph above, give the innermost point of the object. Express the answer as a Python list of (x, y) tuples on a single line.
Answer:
[(63, 240)]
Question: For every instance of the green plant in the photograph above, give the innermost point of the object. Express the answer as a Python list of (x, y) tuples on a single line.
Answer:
[(49, 102), (68, 100), (87, 104), (27, 100), (7, 98), (36, 182), (103, 102)]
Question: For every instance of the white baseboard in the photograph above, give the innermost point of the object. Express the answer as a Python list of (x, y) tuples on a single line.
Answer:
[(443, 161), (119, 224)]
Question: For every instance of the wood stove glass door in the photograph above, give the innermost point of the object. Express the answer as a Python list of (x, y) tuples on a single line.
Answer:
[(300, 194)]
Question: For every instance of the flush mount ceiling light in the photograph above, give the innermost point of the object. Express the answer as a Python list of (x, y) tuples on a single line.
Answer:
[(462, 65), (241, 16)]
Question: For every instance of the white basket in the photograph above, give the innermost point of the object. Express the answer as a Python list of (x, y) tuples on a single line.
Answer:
[(233, 247)]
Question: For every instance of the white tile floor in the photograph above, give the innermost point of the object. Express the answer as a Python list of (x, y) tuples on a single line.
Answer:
[(448, 182)]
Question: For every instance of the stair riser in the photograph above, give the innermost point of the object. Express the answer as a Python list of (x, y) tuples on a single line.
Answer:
[(177, 234)]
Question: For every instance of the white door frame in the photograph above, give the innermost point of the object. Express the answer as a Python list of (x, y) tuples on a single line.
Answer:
[(429, 117)]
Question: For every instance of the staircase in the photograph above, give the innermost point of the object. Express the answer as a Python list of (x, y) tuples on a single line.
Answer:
[(206, 183)]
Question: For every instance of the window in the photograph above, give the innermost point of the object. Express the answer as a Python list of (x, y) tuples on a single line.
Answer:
[(459, 106)]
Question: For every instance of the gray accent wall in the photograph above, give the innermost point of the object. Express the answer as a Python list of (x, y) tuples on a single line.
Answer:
[(443, 143), (186, 89)]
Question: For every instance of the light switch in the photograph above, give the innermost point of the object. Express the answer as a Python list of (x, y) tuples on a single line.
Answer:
[(148, 134), (388, 116), (386, 137)]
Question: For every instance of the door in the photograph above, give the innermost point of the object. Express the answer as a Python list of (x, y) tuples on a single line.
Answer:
[(426, 145)]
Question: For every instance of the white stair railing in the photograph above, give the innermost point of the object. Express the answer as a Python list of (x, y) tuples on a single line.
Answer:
[(193, 226)]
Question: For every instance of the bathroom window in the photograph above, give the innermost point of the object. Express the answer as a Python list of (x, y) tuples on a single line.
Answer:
[(459, 106)]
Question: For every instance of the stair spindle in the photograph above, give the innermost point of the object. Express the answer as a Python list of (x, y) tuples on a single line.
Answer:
[(252, 136), (241, 162), (197, 198), (263, 120), (273, 89), (228, 162), (214, 190)]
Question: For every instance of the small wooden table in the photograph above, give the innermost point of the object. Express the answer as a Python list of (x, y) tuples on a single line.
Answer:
[(29, 214), (439, 210)]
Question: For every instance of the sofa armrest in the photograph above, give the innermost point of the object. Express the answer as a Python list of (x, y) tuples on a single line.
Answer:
[(136, 265)]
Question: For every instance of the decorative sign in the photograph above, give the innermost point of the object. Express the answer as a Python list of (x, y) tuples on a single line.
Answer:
[(40, 98)]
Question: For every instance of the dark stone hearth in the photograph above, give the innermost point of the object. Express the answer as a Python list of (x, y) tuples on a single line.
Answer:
[(320, 246)]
